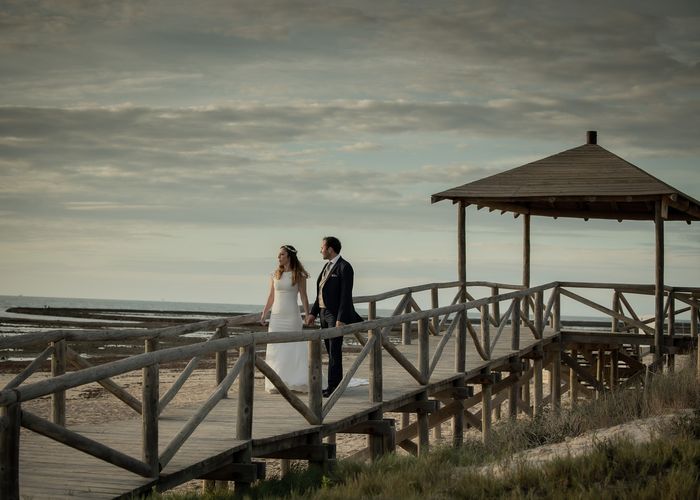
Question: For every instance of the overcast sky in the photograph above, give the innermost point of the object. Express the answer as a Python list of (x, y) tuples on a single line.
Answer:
[(166, 149)]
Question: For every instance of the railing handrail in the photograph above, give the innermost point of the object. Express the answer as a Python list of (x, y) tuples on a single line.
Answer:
[(175, 331), (428, 286), (93, 374), (123, 334), (628, 287), (135, 362)]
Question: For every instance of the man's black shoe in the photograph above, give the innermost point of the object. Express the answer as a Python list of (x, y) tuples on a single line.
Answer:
[(326, 393)]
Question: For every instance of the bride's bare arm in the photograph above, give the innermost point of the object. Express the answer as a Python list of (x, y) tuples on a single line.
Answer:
[(304, 297), (268, 304)]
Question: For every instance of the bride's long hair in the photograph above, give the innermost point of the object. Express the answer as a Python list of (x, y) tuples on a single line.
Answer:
[(298, 271)]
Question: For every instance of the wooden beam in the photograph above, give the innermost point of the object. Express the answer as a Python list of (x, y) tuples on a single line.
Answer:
[(582, 372), (659, 286), (605, 310), (84, 444), (58, 398), (191, 425), (248, 473), (461, 344), (376, 427), (30, 369), (76, 360), (149, 411), (9, 450), (375, 375), (526, 252), (286, 392), (419, 406)]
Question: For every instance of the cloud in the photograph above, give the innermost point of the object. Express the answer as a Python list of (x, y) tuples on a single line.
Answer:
[(231, 117), (360, 146)]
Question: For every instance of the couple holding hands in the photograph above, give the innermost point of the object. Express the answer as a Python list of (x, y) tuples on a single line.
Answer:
[(333, 307)]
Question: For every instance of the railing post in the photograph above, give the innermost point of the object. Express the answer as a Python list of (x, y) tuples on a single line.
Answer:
[(458, 421), (694, 334), (600, 370), (434, 304), (614, 323), (539, 313), (538, 389), (246, 387), (573, 379), (525, 387), (221, 358), (423, 347), (515, 324), (406, 326), (614, 373), (10, 416), (496, 306), (513, 394), (671, 327), (486, 406), (423, 424), (556, 379), (58, 398), (485, 330), (376, 388), (244, 417), (315, 378), (556, 310), (149, 412), (376, 378)]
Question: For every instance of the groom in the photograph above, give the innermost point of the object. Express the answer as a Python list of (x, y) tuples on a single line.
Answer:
[(334, 306)]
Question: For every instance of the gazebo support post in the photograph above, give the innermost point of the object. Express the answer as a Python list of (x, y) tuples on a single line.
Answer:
[(526, 263), (659, 288), (461, 354)]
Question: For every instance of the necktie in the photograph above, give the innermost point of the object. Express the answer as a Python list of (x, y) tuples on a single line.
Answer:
[(324, 275), (326, 270)]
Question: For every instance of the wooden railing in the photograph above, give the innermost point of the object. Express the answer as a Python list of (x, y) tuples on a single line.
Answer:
[(526, 310)]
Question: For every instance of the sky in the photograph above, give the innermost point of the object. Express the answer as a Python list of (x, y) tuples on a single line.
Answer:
[(164, 150)]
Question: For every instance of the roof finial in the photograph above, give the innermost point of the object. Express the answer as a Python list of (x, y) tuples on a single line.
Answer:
[(592, 137)]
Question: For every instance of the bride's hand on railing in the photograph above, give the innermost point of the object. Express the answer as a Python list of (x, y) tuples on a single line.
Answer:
[(263, 321)]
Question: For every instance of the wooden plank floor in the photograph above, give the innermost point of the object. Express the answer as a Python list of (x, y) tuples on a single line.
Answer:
[(51, 470)]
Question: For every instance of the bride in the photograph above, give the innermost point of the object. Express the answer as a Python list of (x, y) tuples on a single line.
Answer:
[(289, 360)]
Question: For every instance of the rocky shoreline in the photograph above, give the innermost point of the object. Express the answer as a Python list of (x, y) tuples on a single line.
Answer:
[(20, 320)]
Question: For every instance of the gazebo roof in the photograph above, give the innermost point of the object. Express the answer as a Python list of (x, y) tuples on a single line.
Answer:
[(584, 182)]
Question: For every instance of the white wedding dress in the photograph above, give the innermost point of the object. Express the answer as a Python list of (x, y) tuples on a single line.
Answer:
[(289, 360)]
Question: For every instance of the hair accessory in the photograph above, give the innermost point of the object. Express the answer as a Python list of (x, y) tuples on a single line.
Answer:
[(290, 248)]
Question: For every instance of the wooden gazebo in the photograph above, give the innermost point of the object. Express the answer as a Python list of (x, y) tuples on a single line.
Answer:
[(586, 182)]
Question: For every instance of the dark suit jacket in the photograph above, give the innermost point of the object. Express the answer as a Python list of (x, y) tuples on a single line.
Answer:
[(337, 293)]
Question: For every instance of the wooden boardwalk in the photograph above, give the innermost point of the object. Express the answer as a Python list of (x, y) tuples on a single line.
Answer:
[(51, 470), (519, 335)]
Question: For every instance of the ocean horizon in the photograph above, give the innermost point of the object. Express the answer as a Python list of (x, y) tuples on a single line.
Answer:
[(9, 301)]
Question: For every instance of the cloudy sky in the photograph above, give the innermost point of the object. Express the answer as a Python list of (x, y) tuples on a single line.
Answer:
[(165, 149)]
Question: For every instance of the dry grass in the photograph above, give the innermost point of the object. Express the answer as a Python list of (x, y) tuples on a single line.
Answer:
[(665, 468)]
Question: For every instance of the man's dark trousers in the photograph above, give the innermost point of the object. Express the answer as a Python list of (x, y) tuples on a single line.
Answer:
[(334, 347)]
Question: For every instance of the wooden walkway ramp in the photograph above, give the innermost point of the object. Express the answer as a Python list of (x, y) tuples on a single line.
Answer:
[(439, 367), (49, 469)]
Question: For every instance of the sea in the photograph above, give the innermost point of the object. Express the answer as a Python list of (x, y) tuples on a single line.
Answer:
[(8, 301), (11, 323)]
